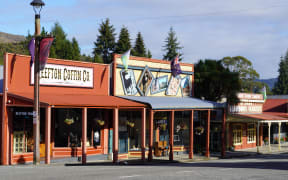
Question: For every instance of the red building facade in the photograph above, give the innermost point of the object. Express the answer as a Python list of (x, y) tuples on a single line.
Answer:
[(79, 116)]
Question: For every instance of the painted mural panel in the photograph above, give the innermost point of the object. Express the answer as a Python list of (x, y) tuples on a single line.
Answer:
[(128, 82), (159, 84), (144, 82), (160, 73), (173, 86), (186, 86)]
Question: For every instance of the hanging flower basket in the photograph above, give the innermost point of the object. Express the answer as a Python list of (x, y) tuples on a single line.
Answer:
[(199, 130), (183, 126), (163, 127), (131, 124), (100, 122), (69, 121)]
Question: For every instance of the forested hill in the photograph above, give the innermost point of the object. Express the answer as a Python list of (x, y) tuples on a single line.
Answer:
[(13, 44), (270, 82), (10, 38)]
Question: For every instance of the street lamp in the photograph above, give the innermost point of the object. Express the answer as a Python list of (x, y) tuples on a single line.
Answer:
[(37, 6)]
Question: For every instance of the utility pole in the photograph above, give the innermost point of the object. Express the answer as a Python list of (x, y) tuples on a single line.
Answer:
[(37, 6)]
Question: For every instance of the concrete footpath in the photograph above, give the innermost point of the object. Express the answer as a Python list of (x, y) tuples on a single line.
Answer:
[(251, 152), (103, 159), (264, 150)]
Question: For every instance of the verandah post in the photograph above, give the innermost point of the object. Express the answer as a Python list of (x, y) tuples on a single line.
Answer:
[(143, 133), (47, 134), (84, 135), (171, 155), (208, 135), (115, 134), (150, 156), (191, 135)]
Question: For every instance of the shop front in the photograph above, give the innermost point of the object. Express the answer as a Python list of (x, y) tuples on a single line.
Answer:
[(76, 114), (150, 113), (249, 126), (176, 124)]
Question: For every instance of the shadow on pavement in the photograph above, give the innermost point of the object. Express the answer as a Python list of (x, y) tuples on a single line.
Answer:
[(271, 165)]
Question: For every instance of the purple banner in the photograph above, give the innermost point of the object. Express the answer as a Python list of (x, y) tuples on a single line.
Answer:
[(31, 48), (45, 45), (175, 66)]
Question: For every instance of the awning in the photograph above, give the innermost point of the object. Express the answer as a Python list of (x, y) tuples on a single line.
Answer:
[(79, 100), (255, 118), (156, 102)]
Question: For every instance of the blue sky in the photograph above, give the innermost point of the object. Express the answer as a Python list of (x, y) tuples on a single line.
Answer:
[(255, 29)]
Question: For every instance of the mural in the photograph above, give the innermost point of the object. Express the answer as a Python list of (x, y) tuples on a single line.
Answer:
[(159, 84), (173, 86), (145, 81), (186, 86), (128, 82)]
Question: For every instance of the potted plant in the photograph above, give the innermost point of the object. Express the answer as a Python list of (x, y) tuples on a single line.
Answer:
[(100, 122), (266, 140), (199, 130)]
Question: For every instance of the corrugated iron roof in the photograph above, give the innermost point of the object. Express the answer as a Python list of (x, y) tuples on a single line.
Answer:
[(157, 102), (277, 97), (275, 105), (254, 117)]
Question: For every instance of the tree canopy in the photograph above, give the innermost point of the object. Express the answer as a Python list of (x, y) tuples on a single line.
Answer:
[(139, 47), (214, 82), (244, 67), (63, 48), (123, 44), (172, 46), (105, 43), (281, 86)]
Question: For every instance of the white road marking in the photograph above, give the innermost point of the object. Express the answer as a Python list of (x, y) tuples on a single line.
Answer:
[(185, 172), (225, 169), (124, 177)]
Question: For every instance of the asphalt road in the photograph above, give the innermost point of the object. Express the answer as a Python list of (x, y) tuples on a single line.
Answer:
[(257, 167)]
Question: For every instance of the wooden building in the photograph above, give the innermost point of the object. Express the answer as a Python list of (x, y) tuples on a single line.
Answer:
[(249, 122), (91, 109)]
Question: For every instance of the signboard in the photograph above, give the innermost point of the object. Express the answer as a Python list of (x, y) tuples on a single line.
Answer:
[(249, 103), (245, 109), (62, 75), (249, 97)]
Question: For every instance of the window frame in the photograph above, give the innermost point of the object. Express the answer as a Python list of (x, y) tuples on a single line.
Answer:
[(237, 131), (251, 131)]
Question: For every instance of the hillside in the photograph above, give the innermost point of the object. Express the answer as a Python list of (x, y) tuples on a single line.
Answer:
[(270, 82), (13, 44), (10, 38)]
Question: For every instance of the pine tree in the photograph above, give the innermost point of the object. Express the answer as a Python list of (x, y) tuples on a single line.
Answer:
[(149, 55), (281, 86), (172, 46), (63, 48), (44, 32), (139, 48), (57, 49), (105, 43), (75, 49), (123, 43)]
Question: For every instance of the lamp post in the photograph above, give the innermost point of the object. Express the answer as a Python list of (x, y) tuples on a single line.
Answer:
[(37, 6)]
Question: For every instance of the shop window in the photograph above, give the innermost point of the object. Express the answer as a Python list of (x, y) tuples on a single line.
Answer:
[(181, 128), (22, 130), (161, 133), (129, 131), (20, 142), (251, 133), (216, 115), (237, 135), (68, 127), (95, 123)]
